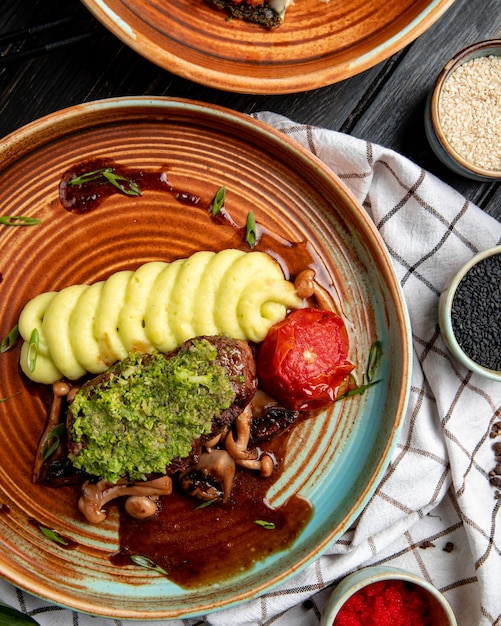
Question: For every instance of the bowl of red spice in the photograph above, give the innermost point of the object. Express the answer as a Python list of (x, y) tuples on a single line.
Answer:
[(463, 112), (469, 314), (386, 596)]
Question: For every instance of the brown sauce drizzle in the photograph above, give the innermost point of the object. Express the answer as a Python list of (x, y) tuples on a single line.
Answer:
[(200, 546), (85, 197)]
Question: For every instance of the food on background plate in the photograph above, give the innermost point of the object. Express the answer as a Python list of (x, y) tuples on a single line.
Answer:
[(268, 13)]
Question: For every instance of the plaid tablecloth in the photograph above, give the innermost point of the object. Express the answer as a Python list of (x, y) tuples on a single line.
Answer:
[(436, 512)]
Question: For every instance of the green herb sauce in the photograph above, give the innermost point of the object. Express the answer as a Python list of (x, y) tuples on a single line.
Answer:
[(147, 412)]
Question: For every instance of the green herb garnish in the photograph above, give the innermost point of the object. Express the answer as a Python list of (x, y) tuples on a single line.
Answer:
[(54, 436), (130, 188), (144, 561), (375, 355), (9, 341), (32, 355), (358, 391), (218, 202), (19, 220), (250, 230), (205, 504), (53, 535), (265, 524), (9, 397)]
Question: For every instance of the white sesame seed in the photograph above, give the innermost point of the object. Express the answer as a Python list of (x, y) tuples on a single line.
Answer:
[(470, 111)]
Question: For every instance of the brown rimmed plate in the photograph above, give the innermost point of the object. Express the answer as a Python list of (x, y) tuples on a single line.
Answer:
[(320, 43), (335, 461)]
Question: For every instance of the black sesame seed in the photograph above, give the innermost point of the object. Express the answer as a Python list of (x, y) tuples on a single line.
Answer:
[(476, 313)]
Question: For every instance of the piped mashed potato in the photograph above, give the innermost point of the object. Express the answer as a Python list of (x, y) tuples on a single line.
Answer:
[(87, 328)]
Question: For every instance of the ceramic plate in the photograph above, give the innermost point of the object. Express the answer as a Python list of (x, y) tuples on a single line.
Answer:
[(320, 42), (335, 461)]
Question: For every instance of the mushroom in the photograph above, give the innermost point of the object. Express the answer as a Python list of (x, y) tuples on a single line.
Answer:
[(307, 287), (264, 464), (215, 467), (212, 443), (60, 389), (95, 496), (238, 448), (141, 507)]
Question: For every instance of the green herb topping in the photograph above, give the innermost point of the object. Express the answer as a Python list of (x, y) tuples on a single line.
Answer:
[(107, 175), (53, 441), (53, 535), (144, 561), (19, 220), (218, 202), (375, 356), (33, 350), (265, 524), (9, 397), (147, 412), (251, 231), (9, 341)]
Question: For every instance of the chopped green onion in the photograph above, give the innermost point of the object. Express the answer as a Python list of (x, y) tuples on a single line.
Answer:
[(375, 354), (133, 189), (358, 391), (130, 189), (144, 561), (250, 230), (205, 504), (55, 436), (88, 177), (218, 202), (9, 397), (53, 535), (9, 341), (32, 355), (265, 524), (19, 220)]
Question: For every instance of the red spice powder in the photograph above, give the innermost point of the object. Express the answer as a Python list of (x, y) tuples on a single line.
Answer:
[(386, 603)]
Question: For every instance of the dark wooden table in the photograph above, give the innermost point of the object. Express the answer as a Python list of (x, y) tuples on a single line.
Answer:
[(54, 54)]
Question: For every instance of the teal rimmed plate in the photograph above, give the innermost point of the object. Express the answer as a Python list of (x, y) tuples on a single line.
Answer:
[(335, 461)]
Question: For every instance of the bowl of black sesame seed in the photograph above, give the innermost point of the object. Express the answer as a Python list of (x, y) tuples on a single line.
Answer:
[(463, 112), (470, 314)]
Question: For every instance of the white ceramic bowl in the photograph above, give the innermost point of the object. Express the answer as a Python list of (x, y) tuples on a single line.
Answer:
[(441, 611), (434, 130), (445, 319)]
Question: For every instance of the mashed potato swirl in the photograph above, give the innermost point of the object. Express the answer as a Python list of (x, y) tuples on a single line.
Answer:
[(86, 328)]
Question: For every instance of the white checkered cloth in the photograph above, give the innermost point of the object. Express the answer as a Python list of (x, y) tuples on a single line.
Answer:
[(436, 512)]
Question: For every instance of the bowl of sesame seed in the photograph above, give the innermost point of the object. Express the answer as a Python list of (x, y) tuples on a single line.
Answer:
[(463, 112), (470, 314)]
